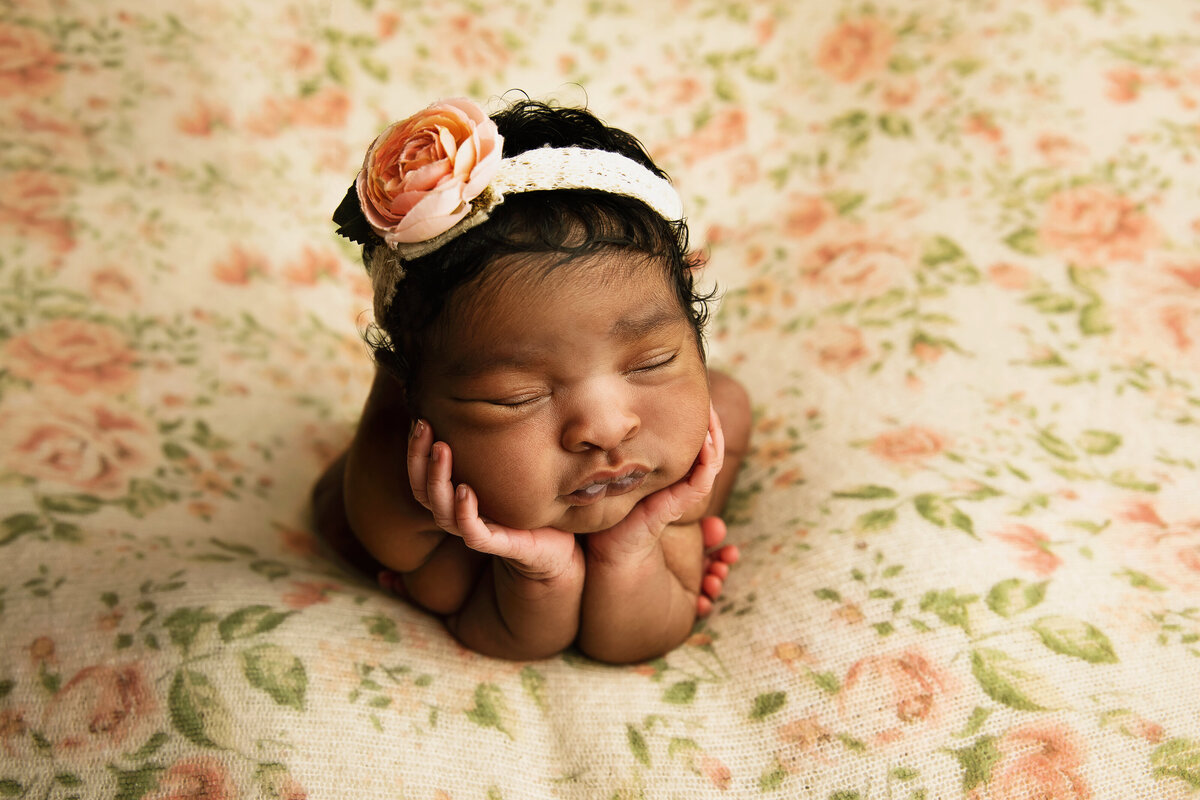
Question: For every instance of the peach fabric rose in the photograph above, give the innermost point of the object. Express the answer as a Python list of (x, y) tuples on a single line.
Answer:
[(1095, 224), (855, 49), (92, 448), (28, 65), (421, 174), (100, 708), (78, 355)]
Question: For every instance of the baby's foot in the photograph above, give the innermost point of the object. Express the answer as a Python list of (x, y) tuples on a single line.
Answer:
[(717, 561), (392, 582)]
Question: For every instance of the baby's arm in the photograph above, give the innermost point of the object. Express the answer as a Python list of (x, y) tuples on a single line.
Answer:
[(526, 602), (644, 574)]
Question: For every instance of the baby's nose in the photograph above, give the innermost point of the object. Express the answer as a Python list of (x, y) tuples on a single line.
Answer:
[(602, 420)]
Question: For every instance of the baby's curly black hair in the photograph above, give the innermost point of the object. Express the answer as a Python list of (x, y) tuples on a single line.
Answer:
[(570, 222)]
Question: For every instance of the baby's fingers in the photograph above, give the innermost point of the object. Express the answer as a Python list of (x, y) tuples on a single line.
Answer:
[(440, 489), (474, 531), (711, 457), (420, 442)]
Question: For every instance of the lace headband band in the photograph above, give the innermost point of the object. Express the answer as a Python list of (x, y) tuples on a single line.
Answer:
[(559, 168)]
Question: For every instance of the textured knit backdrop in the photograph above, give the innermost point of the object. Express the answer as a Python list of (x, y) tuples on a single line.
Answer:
[(959, 250)]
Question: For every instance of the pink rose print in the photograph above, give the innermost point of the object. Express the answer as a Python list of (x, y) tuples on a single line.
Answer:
[(1032, 548), (100, 708), (196, 778), (89, 447), (855, 50), (847, 262), (28, 65), (908, 446), (78, 355), (32, 205), (885, 698), (1042, 760), (1094, 225)]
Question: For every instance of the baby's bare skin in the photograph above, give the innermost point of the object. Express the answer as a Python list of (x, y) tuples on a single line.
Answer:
[(573, 408), (441, 573)]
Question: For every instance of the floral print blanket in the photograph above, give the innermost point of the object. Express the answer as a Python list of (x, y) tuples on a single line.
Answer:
[(958, 248)]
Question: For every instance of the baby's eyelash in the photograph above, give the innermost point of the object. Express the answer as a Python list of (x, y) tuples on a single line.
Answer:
[(661, 361), (515, 402)]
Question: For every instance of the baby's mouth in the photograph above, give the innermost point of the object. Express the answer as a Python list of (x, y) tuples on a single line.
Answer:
[(609, 487)]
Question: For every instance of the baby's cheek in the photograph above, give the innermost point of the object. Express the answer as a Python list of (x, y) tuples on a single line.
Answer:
[(507, 490)]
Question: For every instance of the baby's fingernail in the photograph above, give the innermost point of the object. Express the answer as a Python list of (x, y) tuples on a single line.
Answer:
[(433, 455), (461, 491), (418, 429), (708, 440)]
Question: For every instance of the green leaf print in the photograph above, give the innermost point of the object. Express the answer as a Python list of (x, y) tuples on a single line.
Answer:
[(773, 778), (71, 503), (950, 607), (767, 704), (1178, 758), (491, 709), (184, 625), (1093, 320), (382, 627), (1140, 580), (534, 684), (197, 711), (941, 250), (277, 672), (681, 693), (1074, 637), (1098, 443), (866, 492), (250, 621), (1012, 596), (17, 525), (637, 744), (134, 784), (977, 761), (943, 513), (1024, 241), (1007, 681), (1055, 446), (877, 520)]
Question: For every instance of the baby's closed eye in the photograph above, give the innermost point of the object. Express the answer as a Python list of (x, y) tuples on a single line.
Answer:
[(655, 361)]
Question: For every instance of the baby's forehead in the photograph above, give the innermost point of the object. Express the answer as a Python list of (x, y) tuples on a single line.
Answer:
[(615, 301)]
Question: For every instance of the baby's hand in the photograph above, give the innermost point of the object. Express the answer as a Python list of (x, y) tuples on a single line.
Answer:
[(644, 525), (540, 554)]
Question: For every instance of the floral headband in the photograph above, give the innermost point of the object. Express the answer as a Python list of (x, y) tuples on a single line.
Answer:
[(430, 178)]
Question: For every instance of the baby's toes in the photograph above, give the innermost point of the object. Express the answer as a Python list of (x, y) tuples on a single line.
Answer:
[(704, 606), (713, 530), (711, 586), (392, 582), (729, 554)]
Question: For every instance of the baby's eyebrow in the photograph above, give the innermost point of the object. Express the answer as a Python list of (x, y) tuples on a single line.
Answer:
[(630, 328), (477, 366)]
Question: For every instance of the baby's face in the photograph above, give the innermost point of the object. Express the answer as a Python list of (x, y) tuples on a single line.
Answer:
[(567, 398)]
